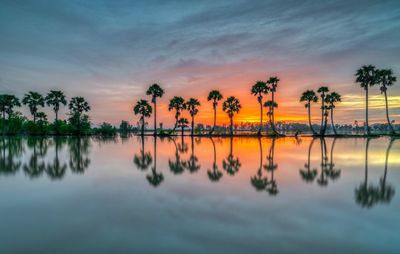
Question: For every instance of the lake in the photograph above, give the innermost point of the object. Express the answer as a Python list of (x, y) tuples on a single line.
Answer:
[(201, 195)]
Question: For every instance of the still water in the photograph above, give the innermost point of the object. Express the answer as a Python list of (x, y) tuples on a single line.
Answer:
[(201, 195)]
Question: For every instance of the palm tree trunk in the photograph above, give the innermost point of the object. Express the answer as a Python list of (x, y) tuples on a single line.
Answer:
[(155, 117), (215, 117), (155, 153), (261, 119), (215, 154), (333, 125), (231, 120), (182, 130), (386, 161), (56, 116), (387, 114), (366, 110), (142, 129), (309, 119), (322, 117), (273, 114), (309, 154), (191, 132)]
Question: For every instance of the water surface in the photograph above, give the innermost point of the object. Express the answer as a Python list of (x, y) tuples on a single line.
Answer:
[(201, 195)]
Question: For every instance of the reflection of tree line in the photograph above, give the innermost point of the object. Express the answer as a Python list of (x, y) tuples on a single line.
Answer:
[(12, 149), (264, 178)]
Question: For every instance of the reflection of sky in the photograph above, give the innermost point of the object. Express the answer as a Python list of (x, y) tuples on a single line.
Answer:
[(110, 51), (112, 207)]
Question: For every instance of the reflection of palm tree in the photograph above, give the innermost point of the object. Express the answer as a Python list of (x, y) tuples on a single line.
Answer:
[(79, 152), (11, 148), (309, 175), (57, 169), (143, 160), (386, 191), (258, 181), (39, 149), (364, 193), (331, 171), (214, 175), (322, 180), (231, 164), (155, 178), (192, 164), (271, 167), (176, 166)]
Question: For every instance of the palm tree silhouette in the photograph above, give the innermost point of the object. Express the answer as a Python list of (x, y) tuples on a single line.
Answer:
[(55, 99), (273, 84), (323, 90), (57, 170), (144, 159), (214, 175), (215, 96), (385, 78), (156, 92), (258, 181), (143, 109), (33, 100), (77, 107), (79, 159), (259, 89), (331, 99), (366, 77), (182, 123), (192, 164), (309, 175), (308, 97), (271, 105), (177, 104), (231, 164), (155, 178), (7, 104), (192, 105), (231, 106)]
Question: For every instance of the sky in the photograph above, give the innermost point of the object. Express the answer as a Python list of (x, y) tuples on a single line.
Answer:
[(110, 52)]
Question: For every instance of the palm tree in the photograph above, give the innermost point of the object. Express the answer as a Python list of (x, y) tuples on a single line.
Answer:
[(182, 123), (7, 104), (308, 97), (386, 191), (214, 175), (259, 89), (79, 152), (309, 175), (331, 99), (322, 181), (273, 84), (192, 105), (143, 109), (57, 169), (366, 77), (176, 166), (215, 96), (331, 171), (385, 78), (33, 100), (271, 105), (155, 91), (322, 91), (55, 99), (271, 167), (178, 104), (231, 106), (258, 181), (77, 106), (231, 164)]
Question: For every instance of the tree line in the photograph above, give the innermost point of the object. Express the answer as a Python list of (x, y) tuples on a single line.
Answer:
[(13, 122), (367, 76)]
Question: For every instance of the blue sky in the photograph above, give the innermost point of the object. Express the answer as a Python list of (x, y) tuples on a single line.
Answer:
[(110, 51)]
